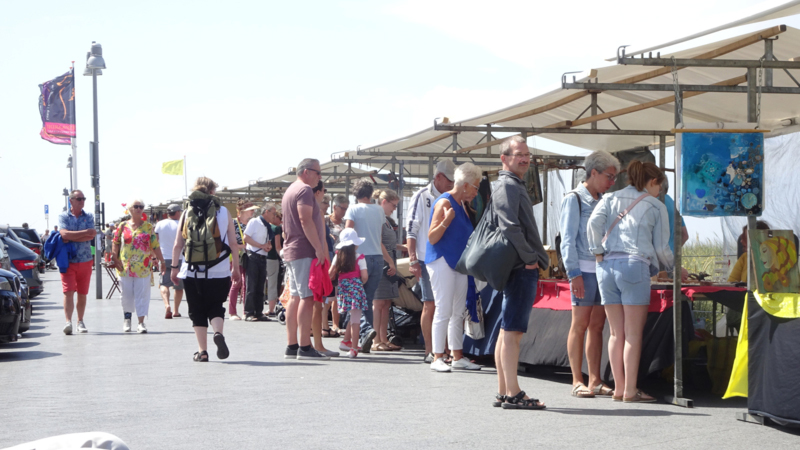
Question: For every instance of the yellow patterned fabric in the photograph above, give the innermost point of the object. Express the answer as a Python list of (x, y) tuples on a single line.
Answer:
[(785, 306)]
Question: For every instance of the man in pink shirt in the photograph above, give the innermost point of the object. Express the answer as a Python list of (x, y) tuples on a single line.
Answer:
[(304, 246)]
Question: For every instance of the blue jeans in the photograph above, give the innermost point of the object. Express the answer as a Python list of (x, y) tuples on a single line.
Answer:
[(375, 272)]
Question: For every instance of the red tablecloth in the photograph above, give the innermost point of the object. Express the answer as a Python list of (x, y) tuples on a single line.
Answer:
[(555, 295)]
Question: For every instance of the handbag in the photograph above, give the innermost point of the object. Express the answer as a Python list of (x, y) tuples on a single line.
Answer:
[(474, 330), (489, 256)]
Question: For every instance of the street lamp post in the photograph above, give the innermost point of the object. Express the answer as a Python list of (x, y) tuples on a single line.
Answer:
[(69, 166), (94, 65)]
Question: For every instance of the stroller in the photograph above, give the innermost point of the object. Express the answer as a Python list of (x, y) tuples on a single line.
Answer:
[(404, 317)]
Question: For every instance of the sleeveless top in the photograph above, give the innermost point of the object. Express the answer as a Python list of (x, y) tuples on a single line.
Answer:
[(355, 273), (455, 237), (221, 270)]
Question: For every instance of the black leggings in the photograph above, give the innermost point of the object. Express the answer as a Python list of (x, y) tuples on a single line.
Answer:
[(206, 297)]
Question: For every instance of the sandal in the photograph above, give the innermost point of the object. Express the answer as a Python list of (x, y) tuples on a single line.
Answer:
[(520, 402), (615, 398), (394, 348), (602, 390), (382, 347), (201, 356), (498, 400), (168, 314), (581, 391), (235, 317), (328, 333), (222, 347), (176, 314), (640, 397)]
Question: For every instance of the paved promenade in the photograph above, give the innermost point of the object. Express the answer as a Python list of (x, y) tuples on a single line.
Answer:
[(147, 390)]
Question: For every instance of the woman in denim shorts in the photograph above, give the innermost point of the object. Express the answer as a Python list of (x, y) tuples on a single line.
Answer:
[(628, 252), (588, 314)]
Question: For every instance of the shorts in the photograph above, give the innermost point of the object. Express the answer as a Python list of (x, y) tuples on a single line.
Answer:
[(77, 278), (591, 293), (206, 298), (299, 272), (425, 283), (624, 282), (166, 281), (518, 297)]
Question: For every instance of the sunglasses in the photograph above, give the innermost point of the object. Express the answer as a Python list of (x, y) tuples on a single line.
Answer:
[(137, 206), (80, 199), (315, 170)]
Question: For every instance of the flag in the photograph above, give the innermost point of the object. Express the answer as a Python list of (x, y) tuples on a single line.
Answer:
[(57, 108), (172, 167)]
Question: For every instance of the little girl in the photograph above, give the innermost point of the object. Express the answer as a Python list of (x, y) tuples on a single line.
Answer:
[(351, 269)]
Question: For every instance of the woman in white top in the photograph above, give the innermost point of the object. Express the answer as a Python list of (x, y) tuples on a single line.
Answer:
[(206, 290)]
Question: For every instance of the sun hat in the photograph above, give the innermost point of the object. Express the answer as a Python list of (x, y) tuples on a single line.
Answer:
[(348, 236), (252, 208)]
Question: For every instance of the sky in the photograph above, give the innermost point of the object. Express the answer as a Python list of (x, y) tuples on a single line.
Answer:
[(246, 89)]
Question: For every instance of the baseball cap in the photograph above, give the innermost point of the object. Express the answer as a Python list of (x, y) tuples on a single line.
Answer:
[(447, 167), (173, 208)]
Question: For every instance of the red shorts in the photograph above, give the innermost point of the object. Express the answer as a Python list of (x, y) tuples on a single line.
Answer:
[(77, 277)]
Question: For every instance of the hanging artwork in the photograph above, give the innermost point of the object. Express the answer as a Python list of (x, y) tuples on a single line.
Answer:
[(721, 173), (774, 259)]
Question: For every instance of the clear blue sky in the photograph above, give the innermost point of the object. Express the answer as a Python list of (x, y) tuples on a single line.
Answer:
[(247, 89)]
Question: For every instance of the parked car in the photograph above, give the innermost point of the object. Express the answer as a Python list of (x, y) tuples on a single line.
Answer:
[(36, 246), (10, 308), (30, 234), (24, 260), (5, 261), (25, 301)]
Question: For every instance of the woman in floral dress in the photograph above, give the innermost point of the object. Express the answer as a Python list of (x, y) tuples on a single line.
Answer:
[(135, 244)]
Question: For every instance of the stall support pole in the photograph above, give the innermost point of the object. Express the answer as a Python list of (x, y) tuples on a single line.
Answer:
[(662, 156), (545, 194), (400, 207), (677, 299), (430, 169), (752, 105), (594, 109), (455, 147), (489, 138)]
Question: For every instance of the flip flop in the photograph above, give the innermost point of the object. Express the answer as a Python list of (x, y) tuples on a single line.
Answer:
[(639, 398), (581, 391), (602, 390), (222, 347)]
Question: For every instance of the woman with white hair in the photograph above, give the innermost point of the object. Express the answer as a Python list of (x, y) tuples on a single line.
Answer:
[(134, 245), (447, 238), (588, 315)]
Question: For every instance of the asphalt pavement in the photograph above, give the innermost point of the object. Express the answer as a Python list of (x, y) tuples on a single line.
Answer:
[(146, 389)]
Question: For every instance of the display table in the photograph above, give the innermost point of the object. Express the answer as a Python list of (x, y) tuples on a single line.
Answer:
[(545, 343)]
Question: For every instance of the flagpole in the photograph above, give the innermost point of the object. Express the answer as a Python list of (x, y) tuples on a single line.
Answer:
[(185, 183), (73, 141)]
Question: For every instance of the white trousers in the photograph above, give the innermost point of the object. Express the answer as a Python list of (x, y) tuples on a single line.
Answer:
[(135, 295), (450, 298)]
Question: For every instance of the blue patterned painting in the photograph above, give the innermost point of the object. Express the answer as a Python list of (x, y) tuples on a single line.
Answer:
[(721, 174)]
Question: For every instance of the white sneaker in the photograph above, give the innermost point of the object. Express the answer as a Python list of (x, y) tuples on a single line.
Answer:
[(353, 353), (141, 328), (82, 327), (126, 327), (344, 347), (68, 328), (465, 364), (440, 366)]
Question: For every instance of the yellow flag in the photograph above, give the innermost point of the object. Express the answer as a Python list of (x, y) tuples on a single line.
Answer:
[(172, 167), (737, 386)]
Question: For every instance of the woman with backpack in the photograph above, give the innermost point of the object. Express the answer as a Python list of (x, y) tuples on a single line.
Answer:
[(208, 236), (588, 315), (629, 235)]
